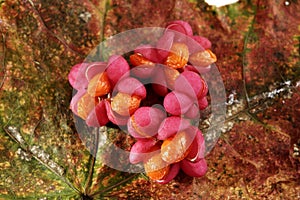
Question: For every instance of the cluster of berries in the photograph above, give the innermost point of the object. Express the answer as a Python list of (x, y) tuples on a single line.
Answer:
[(157, 96)]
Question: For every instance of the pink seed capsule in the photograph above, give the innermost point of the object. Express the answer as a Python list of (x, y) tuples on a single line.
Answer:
[(203, 103), (148, 52), (142, 149), (198, 70), (194, 169), (171, 126), (193, 112), (143, 67), (98, 116), (177, 103), (117, 67), (114, 117), (145, 122), (190, 83), (202, 41), (159, 84), (94, 68), (197, 147), (160, 89), (174, 169), (164, 45), (132, 87), (138, 59), (77, 76), (180, 26)]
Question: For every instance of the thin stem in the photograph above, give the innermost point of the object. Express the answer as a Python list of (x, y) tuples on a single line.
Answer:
[(93, 158), (3, 62)]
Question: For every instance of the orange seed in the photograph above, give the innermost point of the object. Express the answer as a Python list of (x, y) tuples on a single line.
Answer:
[(99, 85)]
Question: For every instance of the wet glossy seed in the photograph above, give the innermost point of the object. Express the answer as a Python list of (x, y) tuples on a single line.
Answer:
[(171, 75), (178, 56), (125, 104), (177, 148), (156, 168), (203, 58), (99, 85), (138, 59), (85, 105)]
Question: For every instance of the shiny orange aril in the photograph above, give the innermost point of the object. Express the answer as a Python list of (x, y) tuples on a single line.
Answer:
[(156, 168), (125, 104), (85, 105), (138, 59), (203, 58), (178, 56), (176, 148), (171, 75), (99, 85)]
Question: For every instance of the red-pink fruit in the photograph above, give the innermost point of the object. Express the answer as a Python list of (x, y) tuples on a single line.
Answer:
[(190, 83), (117, 67), (138, 59), (180, 26), (164, 45), (193, 112), (145, 122), (174, 169), (143, 71), (181, 29), (77, 77), (94, 68), (177, 103), (194, 169), (197, 151), (159, 82), (203, 103), (147, 51), (198, 43), (132, 87), (142, 149), (171, 126), (204, 91), (160, 89), (143, 68), (203, 41), (98, 116), (114, 117), (198, 70)]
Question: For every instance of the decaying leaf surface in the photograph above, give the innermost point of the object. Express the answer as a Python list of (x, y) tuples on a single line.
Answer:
[(257, 45), (40, 41)]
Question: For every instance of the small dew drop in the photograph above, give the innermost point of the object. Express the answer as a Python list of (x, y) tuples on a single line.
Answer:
[(287, 3)]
